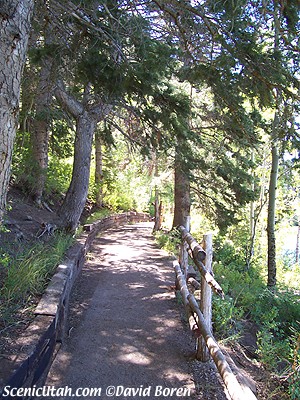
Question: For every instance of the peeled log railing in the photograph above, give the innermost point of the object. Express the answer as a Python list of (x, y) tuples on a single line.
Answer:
[(198, 255), (200, 316)]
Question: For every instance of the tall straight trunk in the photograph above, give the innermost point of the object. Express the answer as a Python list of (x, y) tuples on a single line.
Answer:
[(28, 91), (157, 202), (98, 170), (40, 129), (274, 170), (75, 199), (158, 209), (297, 242), (182, 198), (271, 217), (15, 18)]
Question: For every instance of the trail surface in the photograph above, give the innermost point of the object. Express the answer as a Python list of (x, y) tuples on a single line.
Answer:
[(126, 336)]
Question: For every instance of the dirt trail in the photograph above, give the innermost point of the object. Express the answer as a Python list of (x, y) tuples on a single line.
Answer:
[(126, 329)]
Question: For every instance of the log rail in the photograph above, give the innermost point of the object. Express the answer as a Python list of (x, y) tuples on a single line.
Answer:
[(199, 316)]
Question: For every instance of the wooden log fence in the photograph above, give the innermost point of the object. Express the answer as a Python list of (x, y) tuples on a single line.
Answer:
[(200, 316)]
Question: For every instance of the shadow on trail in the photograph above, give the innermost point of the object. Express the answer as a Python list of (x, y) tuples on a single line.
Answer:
[(125, 326)]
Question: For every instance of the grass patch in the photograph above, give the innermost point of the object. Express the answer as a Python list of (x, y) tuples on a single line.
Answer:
[(97, 215), (169, 241), (25, 275)]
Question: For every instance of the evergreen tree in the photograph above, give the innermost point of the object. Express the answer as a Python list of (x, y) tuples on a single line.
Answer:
[(117, 64)]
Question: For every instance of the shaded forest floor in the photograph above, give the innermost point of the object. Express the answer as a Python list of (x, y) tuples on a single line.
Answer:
[(24, 223)]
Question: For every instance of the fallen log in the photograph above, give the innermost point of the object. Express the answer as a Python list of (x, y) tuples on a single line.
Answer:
[(245, 381)]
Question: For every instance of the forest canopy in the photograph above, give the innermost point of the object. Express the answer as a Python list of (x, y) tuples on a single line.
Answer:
[(183, 109), (202, 89)]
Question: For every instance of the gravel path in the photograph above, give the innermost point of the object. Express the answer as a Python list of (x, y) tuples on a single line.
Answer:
[(126, 335)]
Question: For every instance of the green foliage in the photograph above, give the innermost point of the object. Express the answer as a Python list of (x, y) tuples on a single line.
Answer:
[(117, 198), (58, 173), (27, 274), (294, 376), (22, 159), (4, 259), (168, 241), (276, 313), (98, 215), (62, 137), (58, 176), (126, 181), (271, 352), (226, 316)]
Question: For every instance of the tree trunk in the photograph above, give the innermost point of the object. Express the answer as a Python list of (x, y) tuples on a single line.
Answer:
[(157, 203), (182, 199), (28, 92), (40, 129), (74, 202), (98, 171), (297, 242), (87, 116), (251, 222), (15, 17), (158, 208), (271, 217)]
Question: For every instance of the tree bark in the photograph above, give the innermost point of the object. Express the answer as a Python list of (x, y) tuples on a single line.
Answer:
[(15, 19), (182, 199), (87, 116), (75, 199), (158, 209), (297, 242), (98, 171), (40, 129), (157, 202), (271, 218)]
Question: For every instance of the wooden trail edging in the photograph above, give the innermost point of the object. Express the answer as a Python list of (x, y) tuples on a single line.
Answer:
[(40, 341), (200, 319)]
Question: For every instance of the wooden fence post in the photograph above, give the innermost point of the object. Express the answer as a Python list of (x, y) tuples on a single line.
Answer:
[(206, 299)]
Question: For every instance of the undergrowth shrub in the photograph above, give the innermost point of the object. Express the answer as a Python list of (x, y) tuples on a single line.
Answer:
[(168, 241), (27, 274), (225, 317), (276, 313), (294, 372), (97, 215), (59, 172), (117, 198), (58, 176)]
